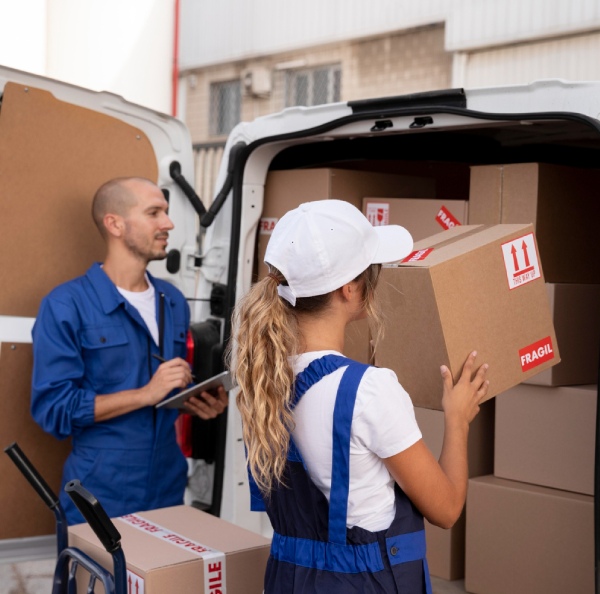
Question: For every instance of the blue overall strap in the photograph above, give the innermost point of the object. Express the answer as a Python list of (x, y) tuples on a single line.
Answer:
[(304, 380), (340, 462), (315, 371)]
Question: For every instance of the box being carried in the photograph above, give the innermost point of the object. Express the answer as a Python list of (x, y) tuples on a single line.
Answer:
[(473, 287), (180, 549)]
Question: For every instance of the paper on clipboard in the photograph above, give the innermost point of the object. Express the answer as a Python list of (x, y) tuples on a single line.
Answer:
[(177, 401)]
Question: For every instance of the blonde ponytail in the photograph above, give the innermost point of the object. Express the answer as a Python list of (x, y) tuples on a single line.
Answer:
[(265, 336)]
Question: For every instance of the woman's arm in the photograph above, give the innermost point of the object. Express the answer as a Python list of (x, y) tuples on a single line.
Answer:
[(439, 488)]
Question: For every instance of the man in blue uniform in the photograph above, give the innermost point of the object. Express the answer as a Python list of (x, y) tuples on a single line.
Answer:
[(98, 343)]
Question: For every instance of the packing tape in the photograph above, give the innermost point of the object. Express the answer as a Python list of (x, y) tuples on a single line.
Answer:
[(214, 561)]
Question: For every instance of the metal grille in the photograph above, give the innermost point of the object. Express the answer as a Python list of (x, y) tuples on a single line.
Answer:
[(225, 101), (314, 86)]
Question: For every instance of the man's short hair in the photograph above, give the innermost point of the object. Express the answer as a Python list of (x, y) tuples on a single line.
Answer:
[(114, 197)]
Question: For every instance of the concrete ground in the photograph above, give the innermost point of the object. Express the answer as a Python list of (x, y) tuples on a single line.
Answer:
[(35, 577)]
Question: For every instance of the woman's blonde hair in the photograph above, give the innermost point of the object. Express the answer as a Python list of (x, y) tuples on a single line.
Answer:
[(265, 337)]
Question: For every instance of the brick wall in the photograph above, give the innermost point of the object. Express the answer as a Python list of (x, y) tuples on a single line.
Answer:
[(394, 64)]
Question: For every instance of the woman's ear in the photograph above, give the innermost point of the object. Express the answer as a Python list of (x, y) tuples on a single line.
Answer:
[(351, 291)]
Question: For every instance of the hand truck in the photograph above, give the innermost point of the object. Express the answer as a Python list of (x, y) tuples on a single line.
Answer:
[(70, 558)]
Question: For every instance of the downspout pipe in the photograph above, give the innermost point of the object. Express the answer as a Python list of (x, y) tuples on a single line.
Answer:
[(175, 73)]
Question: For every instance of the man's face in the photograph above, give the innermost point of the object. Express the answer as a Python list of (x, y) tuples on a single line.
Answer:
[(147, 223)]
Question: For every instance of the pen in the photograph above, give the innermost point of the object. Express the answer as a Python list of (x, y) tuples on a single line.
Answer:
[(163, 360)]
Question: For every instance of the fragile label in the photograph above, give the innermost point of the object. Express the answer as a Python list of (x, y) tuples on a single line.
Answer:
[(135, 584), (266, 225), (537, 353), (521, 261), (418, 255), (446, 219), (378, 213), (214, 561)]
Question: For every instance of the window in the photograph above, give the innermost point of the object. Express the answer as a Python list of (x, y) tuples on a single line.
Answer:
[(313, 87), (225, 100)]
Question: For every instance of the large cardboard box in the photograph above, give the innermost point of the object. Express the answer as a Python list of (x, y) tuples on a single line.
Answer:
[(180, 549), (525, 539), (446, 548), (287, 189), (469, 288), (576, 315), (423, 217), (546, 436), (561, 203)]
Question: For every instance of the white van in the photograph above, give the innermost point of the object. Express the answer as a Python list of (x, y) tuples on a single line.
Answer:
[(436, 136), (52, 163)]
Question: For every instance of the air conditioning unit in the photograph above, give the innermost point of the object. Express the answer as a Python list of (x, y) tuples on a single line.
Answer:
[(256, 82)]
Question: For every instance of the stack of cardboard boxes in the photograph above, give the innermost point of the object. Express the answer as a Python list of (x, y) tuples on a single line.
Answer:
[(498, 270), (530, 523)]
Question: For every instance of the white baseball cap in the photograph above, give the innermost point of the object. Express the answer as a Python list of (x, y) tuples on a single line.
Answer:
[(320, 246)]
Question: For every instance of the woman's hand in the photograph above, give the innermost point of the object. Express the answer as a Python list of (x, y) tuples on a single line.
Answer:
[(461, 401)]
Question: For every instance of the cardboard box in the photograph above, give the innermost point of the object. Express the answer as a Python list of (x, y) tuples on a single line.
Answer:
[(546, 436), (525, 539), (181, 549), (287, 189), (446, 548), (560, 202), (423, 217), (469, 288), (576, 315)]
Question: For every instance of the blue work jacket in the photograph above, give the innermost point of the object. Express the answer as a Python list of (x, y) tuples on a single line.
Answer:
[(312, 550), (88, 340)]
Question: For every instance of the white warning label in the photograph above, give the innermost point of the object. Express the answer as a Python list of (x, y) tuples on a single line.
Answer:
[(135, 584), (521, 261), (378, 213)]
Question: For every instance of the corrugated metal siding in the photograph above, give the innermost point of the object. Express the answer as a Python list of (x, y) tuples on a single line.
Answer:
[(215, 31), (477, 24), (573, 58)]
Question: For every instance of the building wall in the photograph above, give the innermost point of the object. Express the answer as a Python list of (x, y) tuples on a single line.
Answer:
[(218, 31), (395, 64), (571, 58)]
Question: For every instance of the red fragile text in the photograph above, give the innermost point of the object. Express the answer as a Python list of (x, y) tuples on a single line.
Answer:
[(446, 219), (141, 523), (185, 543), (536, 354), (267, 225), (418, 255), (215, 578)]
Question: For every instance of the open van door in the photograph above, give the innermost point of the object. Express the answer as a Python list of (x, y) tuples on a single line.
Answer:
[(437, 137), (58, 144)]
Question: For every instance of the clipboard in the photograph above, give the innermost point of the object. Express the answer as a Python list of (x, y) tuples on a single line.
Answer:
[(222, 379)]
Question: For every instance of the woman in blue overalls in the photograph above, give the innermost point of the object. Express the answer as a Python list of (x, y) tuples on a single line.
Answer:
[(334, 452)]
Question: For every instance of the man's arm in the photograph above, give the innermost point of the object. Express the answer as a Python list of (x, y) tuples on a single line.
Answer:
[(169, 376)]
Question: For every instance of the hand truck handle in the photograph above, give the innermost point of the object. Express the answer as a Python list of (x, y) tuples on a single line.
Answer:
[(32, 475), (95, 516)]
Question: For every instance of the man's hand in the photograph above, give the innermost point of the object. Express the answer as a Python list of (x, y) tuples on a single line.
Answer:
[(170, 375), (208, 406)]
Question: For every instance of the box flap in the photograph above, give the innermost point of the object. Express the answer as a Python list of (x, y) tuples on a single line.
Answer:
[(457, 241)]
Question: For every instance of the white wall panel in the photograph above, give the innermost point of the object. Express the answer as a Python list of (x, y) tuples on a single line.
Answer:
[(215, 31), (574, 58), (484, 23)]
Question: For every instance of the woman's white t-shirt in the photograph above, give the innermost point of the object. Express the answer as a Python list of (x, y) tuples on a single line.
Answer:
[(383, 424)]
